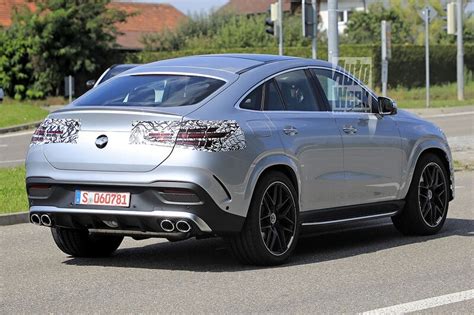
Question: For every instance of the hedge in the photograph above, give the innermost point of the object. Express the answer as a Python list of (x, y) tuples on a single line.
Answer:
[(406, 68)]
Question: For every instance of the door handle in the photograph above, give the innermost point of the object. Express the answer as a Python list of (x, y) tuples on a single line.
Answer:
[(290, 131), (349, 129)]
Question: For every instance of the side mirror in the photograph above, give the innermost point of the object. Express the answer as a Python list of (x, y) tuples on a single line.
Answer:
[(387, 106), (2, 95), (90, 84)]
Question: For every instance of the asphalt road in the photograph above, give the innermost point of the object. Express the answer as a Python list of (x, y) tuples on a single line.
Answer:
[(457, 123), (356, 269)]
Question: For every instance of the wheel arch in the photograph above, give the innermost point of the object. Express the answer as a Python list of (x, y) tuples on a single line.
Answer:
[(442, 151), (279, 163)]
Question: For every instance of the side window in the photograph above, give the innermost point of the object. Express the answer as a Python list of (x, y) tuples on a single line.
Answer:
[(343, 93), (272, 97), (297, 91), (253, 100)]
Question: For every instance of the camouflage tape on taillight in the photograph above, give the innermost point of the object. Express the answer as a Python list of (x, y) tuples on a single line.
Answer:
[(56, 131), (202, 135)]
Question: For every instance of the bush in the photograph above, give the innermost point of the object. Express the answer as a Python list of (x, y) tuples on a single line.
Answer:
[(407, 67)]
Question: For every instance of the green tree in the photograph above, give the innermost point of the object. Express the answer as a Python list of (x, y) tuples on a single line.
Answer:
[(60, 38), (225, 30), (407, 25), (16, 70), (364, 27), (71, 38)]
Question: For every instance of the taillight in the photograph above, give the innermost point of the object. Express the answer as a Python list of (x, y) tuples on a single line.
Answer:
[(56, 131), (204, 135)]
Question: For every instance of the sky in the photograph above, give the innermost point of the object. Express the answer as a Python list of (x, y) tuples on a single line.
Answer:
[(190, 6)]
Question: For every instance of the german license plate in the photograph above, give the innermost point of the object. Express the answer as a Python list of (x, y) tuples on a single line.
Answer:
[(100, 198)]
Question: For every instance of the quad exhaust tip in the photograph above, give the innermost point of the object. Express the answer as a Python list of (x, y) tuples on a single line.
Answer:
[(167, 225), (35, 219), (45, 220), (183, 226)]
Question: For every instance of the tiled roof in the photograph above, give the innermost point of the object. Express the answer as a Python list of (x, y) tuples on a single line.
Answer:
[(252, 6), (148, 18), (7, 7)]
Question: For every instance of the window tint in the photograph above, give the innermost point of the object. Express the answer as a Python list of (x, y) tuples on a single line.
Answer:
[(273, 99), (297, 91), (343, 93), (150, 90), (253, 100), (116, 71)]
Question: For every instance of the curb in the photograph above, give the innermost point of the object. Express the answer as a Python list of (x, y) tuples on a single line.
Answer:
[(20, 127), (14, 218)]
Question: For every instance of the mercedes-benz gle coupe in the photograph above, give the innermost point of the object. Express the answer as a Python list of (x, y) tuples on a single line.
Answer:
[(252, 148)]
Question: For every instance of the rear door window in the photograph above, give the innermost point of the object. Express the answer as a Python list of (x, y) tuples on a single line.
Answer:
[(273, 100), (297, 91), (151, 90)]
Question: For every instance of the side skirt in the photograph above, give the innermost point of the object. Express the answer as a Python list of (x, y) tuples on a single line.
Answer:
[(351, 213)]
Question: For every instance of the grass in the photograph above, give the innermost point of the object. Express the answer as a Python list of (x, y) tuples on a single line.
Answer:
[(12, 190), (462, 166), (16, 114), (440, 96)]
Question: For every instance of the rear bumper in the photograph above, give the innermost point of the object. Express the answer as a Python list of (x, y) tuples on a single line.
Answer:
[(143, 217)]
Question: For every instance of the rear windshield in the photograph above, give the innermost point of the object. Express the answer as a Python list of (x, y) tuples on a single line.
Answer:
[(116, 71), (151, 90)]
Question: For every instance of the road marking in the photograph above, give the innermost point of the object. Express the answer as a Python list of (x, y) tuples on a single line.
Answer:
[(449, 115), (12, 161), (424, 304), (3, 145)]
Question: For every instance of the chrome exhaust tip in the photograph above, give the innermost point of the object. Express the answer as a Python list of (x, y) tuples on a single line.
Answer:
[(167, 225), (35, 219), (183, 226), (45, 220)]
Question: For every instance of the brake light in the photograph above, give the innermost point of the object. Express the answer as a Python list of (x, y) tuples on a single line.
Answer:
[(203, 135), (56, 131)]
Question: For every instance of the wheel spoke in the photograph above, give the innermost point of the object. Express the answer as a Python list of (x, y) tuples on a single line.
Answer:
[(424, 196), (281, 241), (432, 196), (268, 201), (275, 195), (268, 236), (289, 220), (284, 213), (434, 174), (438, 209), (277, 218), (274, 238), (283, 204), (425, 208)]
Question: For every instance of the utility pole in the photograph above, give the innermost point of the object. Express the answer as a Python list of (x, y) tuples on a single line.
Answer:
[(427, 54), (314, 40), (386, 32), (428, 13), (310, 23), (280, 27), (333, 46), (460, 53)]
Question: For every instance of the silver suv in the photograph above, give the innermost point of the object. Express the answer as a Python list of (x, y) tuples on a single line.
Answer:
[(252, 148)]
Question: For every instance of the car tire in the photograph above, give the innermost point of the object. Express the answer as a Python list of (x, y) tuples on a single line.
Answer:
[(427, 200), (79, 243), (271, 230)]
